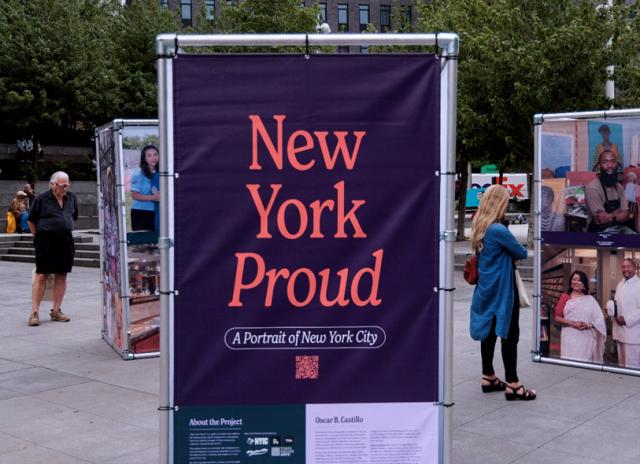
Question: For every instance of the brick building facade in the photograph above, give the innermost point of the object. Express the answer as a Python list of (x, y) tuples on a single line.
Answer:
[(341, 15)]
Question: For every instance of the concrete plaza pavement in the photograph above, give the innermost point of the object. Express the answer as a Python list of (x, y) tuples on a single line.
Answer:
[(66, 397)]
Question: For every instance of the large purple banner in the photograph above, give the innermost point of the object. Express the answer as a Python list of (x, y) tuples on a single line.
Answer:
[(306, 244)]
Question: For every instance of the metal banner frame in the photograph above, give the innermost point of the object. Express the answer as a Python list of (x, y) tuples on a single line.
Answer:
[(447, 45), (538, 120), (116, 127)]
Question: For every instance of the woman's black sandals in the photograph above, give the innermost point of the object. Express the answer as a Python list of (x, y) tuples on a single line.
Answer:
[(519, 393), (494, 385)]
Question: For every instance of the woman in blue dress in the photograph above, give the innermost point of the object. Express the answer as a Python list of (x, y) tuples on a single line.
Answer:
[(495, 307), (145, 195)]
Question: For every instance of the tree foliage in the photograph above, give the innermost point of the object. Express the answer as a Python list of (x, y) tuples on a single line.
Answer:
[(139, 24), (55, 58), (267, 16), (625, 56), (69, 65), (519, 58)]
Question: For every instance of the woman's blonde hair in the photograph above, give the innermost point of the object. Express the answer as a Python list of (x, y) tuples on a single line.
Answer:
[(493, 206)]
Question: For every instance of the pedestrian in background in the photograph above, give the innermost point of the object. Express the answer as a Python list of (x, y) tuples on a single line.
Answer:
[(30, 189), (19, 208), (495, 307), (51, 223)]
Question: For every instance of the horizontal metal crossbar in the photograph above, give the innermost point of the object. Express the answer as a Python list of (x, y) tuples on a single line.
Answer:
[(167, 44), (539, 118)]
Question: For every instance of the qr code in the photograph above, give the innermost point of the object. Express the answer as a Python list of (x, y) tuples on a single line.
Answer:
[(307, 367)]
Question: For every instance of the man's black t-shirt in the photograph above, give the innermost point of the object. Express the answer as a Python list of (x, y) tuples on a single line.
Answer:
[(47, 215)]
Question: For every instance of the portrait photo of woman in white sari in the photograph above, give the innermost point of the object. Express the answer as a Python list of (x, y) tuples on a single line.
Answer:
[(582, 320)]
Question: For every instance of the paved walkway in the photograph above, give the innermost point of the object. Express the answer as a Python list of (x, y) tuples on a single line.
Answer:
[(66, 397)]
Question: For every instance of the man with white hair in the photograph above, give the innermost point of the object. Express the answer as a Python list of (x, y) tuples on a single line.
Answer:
[(51, 222), (626, 322)]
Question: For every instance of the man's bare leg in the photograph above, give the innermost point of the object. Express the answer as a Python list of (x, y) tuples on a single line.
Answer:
[(37, 292), (59, 288)]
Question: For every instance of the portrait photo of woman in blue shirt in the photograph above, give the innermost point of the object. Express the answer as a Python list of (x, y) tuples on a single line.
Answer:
[(145, 194)]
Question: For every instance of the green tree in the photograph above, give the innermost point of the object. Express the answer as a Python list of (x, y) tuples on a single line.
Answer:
[(69, 65), (518, 58), (267, 16), (56, 60), (626, 58), (139, 24)]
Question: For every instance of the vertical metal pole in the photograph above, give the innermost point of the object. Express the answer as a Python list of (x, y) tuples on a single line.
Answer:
[(537, 237), (444, 263), (101, 229), (610, 87), (451, 68), (122, 238), (165, 117)]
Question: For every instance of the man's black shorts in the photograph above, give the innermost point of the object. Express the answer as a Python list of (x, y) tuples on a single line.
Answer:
[(54, 252)]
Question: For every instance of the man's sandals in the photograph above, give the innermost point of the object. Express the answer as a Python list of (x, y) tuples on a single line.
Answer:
[(494, 385), (519, 393)]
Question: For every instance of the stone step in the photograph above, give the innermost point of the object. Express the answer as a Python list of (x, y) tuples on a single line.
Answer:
[(31, 252), (88, 247), (86, 222), (19, 248), (81, 262), (83, 222), (84, 246), (28, 238)]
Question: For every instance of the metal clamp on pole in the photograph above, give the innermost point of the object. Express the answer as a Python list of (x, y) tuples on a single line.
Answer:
[(167, 408), (166, 46), (165, 243), (169, 292), (442, 403), (306, 46), (448, 235)]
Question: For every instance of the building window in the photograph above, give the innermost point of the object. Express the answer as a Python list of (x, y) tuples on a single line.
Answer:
[(406, 12), (385, 18), (323, 13), (343, 49), (364, 49), (210, 9), (364, 17), (343, 17), (164, 3), (185, 11)]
